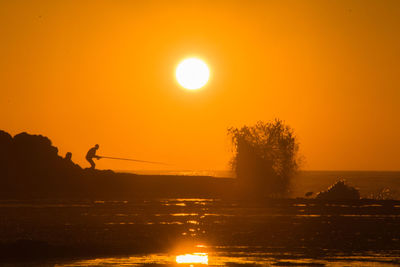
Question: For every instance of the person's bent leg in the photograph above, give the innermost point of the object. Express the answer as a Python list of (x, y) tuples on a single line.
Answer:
[(92, 164)]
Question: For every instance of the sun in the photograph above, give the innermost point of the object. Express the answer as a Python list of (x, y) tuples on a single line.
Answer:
[(192, 73), (201, 258)]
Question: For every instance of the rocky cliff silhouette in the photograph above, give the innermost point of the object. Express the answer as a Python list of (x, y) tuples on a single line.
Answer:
[(30, 167)]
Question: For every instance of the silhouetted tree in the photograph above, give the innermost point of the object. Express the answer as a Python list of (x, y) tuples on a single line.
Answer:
[(265, 157)]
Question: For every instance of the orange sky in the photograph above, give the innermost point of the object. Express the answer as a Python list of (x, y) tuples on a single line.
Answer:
[(86, 72)]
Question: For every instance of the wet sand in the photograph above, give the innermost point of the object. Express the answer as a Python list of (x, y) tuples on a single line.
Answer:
[(229, 231)]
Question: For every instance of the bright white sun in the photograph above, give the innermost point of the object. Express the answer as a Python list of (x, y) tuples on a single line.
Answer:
[(192, 73)]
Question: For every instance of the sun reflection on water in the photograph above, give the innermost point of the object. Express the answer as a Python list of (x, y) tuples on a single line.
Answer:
[(199, 258)]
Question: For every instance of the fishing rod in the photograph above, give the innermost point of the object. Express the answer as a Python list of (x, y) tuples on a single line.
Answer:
[(136, 160)]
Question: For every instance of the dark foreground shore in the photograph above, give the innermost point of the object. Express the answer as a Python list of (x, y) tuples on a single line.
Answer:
[(61, 230), (92, 184)]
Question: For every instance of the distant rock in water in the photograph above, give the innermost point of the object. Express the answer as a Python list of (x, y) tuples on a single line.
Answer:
[(309, 194), (339, 191)]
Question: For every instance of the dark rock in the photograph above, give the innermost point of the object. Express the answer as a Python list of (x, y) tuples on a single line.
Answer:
[(339, 191)]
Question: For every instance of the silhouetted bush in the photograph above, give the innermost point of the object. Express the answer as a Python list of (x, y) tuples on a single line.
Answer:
[(339, 191), (266, 157)]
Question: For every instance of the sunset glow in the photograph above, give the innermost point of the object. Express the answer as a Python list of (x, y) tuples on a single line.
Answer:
[(87, 72), (200, 133)]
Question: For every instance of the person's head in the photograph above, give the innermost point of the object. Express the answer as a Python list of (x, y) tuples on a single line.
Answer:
[(96, 146)]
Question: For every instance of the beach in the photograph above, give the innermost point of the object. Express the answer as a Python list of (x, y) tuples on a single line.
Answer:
[(143, 231)]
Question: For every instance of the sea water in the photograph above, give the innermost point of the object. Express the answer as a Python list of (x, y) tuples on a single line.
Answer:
[(215, 232), (370, 183)]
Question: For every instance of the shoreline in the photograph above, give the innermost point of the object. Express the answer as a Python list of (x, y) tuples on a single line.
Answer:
[(97, 229)]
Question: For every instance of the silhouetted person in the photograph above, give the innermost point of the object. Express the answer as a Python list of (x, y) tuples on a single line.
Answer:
[(68, 156), (92, 154)]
